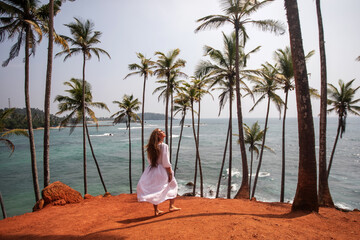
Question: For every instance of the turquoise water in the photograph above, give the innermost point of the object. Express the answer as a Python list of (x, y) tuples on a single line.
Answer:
[(112, 154)]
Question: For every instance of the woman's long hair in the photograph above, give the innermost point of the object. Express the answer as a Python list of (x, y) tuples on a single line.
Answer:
[(152, 148)]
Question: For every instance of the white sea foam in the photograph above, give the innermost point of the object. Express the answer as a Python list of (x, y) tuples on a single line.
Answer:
[(343, 205), (264, 174), (102, 135)]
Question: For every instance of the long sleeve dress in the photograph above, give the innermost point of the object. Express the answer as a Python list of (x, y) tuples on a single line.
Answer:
[(154, 186)]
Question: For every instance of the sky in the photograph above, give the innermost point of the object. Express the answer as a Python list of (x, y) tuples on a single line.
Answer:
[(131, 26)]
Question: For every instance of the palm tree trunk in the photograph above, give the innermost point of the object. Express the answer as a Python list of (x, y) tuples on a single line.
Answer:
[(29, 117), (2, 207), (262, 148), (84, 129), (198, 141), (223, 161), (244, 188), (171, 123), (324, 195), (167, 109), (196, 146), (178, 148), (130, 155), (251, 164), (334, 147), (230, 146), (46, 160), (282, 191), (306, 192), (142, 125), (96, 162)]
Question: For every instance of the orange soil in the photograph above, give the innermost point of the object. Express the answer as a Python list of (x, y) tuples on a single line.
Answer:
[(122, 217)]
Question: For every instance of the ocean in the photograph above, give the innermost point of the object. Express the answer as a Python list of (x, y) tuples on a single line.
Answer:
[(111, 149)]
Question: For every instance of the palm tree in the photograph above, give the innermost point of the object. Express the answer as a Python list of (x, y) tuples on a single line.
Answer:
[(222, 68), (324, 195), (192, 93), (52, 9), (306, 194), (342, 101), (164, 66), (181, 105), (238, 14), (266, 85), (20, 19), (254, 135), (286, 80), (200, 82), (8, 132), (173, 86), (143, 69), (84, 39), (74, 104), (127, 106)]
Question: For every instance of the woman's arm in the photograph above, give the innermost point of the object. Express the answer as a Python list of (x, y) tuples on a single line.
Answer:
[(169, 172)]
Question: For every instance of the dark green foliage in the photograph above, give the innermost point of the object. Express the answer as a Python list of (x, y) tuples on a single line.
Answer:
[(18, 119)]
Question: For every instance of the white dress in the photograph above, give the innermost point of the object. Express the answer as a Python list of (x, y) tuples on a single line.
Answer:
[(154, 186)]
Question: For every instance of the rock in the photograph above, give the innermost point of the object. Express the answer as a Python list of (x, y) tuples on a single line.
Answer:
[(107, 194), (356, 210), (190, 184), (190, 194), (39, 205), (253, 199), (57, 191), (88, 196), (60, 202)]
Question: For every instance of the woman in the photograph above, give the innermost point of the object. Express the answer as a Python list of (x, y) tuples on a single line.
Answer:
[(157, 183)]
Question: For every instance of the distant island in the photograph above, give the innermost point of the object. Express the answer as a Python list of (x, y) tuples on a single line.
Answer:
[(18, 118)]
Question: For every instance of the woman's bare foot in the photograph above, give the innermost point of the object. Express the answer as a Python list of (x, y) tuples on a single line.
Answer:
[(173, 208), (158, 212)]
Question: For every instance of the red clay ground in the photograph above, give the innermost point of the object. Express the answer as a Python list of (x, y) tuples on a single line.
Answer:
[(122, 217)]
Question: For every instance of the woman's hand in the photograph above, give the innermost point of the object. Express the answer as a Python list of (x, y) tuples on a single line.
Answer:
[(170, 176)]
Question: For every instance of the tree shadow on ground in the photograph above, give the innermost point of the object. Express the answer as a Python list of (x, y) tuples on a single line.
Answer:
[(156, 219)]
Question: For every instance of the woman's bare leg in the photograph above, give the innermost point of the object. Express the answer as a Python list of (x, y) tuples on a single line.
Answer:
[(172, 207), (157, 211)]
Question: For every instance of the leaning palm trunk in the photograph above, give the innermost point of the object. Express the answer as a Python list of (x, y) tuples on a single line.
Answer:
[(2, 207), (167, 111), (96, 162), (197, 149), (334, 147), (223, 162), (198, 143), (29, 118), (324, 195), (47, 96), (178, 148), (251, 164), (84, 129), (262, 149), (171, 124), (230, 147), (244, 188), (130, 155), (142, 125), (282, 191)]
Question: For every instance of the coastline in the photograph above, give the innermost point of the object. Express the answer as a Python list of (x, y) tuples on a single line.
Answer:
[(122, 217)]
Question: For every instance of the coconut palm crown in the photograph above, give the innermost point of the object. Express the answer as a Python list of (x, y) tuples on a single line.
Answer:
[(73, 103)]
